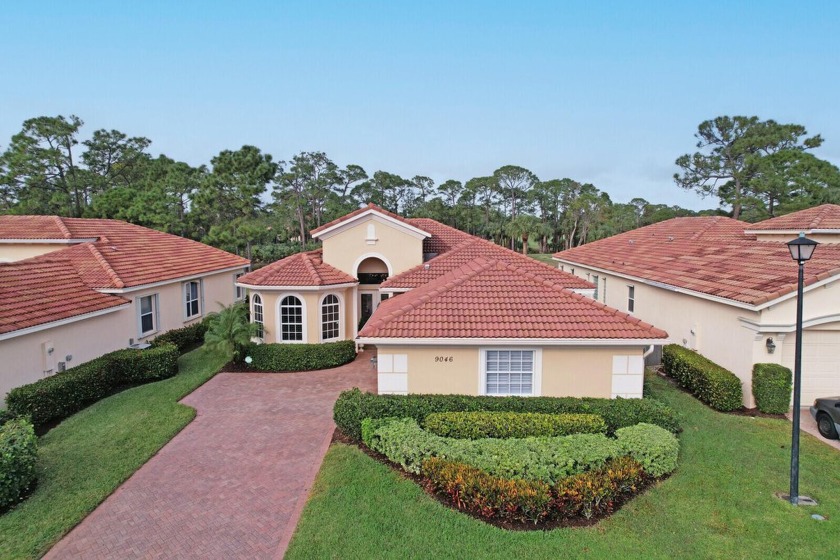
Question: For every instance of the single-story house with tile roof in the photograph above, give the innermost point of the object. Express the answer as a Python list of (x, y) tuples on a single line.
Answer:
[(72, 289), (449, 312), (727, 289)]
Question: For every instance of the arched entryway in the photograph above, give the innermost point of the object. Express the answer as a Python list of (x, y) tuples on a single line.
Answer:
[(371, 271)]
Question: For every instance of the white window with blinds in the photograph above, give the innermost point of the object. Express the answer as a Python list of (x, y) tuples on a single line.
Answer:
[(507, 371)]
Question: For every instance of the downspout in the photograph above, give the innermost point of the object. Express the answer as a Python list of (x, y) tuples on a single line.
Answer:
[(649, 351)]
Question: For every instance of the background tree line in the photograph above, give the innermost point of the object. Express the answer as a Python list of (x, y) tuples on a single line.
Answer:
[(247, 202)]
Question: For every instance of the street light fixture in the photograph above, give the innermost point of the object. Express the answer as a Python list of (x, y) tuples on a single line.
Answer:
[(801, 250)]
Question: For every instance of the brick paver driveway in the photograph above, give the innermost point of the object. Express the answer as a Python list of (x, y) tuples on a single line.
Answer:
[(232, 483)]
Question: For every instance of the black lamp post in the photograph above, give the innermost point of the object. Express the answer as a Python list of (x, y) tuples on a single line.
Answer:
[(801, 250)]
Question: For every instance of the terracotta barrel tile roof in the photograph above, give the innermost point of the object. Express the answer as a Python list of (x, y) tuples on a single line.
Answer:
[(301, 269), (489, 298), (44, 291), (443, 238), (473, 247), (46, 228), (826, 216), (710, 255)]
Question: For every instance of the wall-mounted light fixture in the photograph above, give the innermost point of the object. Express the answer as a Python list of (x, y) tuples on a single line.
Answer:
[(771, 346)]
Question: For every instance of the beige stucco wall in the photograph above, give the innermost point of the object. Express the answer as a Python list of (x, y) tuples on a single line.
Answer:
[(347, 248), (312, 312), (565, 371), (17, 252), (22, 356), (711, 328)]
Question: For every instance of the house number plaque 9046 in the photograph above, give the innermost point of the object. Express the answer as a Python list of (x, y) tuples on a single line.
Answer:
[(444, 359)]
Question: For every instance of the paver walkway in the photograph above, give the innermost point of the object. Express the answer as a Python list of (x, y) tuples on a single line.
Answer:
[(232, 484)]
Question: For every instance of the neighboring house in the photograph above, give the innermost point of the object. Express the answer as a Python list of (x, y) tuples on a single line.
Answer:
[(449, 312), (728, 289), (72, 289)]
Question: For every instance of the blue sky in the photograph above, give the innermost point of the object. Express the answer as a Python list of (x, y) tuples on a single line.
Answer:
[(604, 92)]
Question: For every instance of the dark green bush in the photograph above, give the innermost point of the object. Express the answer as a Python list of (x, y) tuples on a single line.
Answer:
[(58, 396), (771, 387), (478, 425), (5, 416), (18, 459), (301, 357), (714, 385), (353, 406), (184, 338), (656, 449)]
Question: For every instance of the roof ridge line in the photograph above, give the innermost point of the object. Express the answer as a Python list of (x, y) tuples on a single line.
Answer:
[(311, 268), (62, 227), (100, 258), (819, 217)]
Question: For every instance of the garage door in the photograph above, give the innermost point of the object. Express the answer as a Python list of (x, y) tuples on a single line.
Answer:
[(820, 363)]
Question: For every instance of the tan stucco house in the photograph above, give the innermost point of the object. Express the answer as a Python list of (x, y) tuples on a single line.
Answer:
[(72, 289), (449, 312), (727, 289)]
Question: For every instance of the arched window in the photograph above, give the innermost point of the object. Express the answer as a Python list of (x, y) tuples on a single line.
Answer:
[(330, 312), (258, 315), (291, 319)]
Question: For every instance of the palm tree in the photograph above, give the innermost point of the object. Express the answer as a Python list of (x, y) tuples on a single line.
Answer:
[(229, 331)]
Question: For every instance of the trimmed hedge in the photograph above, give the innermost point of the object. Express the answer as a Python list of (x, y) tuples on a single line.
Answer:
[(58, 396), (488, 496), (656, 449), (771, 387), (479, 425), (18, 459), (585, 495), (714, 385), (353, 406), (547, 459), (184, 338), (301, 357)]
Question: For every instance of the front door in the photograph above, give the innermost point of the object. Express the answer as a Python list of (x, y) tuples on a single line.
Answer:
[(369, 300)]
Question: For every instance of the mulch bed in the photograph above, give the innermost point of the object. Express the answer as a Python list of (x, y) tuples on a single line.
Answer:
[(341, 437)]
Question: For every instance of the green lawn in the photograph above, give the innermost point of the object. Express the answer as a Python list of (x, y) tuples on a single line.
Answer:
[(544, 258), (718, 504), (86, 457)]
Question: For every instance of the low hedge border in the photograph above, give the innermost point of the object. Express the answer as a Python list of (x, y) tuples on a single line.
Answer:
[(480, 424), (58, 396), (546, 459), (588, 495), (353, 406), (300, 357), (712, 384), (18, 460), (771, 387), (184, 338)]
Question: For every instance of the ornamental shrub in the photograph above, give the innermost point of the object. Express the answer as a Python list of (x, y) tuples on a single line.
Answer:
[(18, 459), (771, 387), (547, 459), (58, 396), (491, 497), (654, 448), (184, 338), (302, 357), (714, 385), (596, 492), (479, 425), (353, 406)]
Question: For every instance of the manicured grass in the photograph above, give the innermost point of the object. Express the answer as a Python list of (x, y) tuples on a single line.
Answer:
[(86, 457), (545, 258), (718, 504)]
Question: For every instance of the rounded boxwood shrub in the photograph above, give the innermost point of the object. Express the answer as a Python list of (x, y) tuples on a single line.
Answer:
[(18, 459), (185, 337), (657, 450), (301, 357), (478, 424), (60, 395), (353, 406), (714, 385), (772, 386)]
